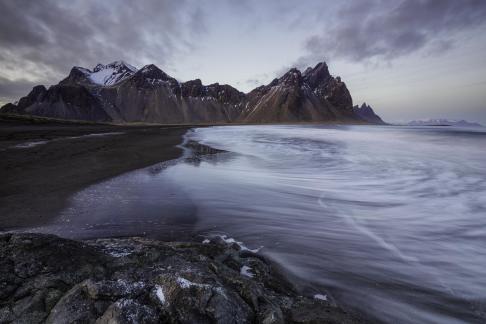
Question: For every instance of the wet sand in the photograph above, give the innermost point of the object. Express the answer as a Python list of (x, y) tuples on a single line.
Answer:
[(36, 180)]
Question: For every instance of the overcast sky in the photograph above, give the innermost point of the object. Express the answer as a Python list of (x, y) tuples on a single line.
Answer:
[(409, 59)]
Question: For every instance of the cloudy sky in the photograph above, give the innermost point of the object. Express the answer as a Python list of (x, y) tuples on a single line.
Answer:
[(409, 59)]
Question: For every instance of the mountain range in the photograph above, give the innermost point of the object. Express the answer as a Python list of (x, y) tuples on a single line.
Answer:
[(120, 93), (443, 122)]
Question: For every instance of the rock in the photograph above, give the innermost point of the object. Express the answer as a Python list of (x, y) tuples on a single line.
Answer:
[(128, 311), (76, 306), (135, 280), (314, 96)]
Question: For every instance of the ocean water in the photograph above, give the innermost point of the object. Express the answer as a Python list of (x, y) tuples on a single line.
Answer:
[(389, 221)]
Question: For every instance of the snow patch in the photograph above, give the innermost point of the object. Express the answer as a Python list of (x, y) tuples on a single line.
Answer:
[(29, 144), (82, 69), (112, 73), (119, 254), (320, 297), (184, 283), (160, 294), (245, 271), (206, 241), (117, 251), (230, 240)]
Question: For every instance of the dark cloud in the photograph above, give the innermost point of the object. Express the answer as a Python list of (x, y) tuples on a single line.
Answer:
[(41, 40), (378, 29), (13, 88), (44, 39)]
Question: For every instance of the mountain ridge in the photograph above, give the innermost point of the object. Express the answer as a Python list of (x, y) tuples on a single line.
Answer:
[(443, 122), (120, 93)]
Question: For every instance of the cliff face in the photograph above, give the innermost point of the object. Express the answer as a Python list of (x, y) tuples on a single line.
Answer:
[(120, 93)]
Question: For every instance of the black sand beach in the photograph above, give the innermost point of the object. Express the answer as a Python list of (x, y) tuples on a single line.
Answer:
[(35, 181)]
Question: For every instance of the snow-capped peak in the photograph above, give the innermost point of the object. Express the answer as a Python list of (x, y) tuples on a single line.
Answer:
[(112, 73), (443, 121)]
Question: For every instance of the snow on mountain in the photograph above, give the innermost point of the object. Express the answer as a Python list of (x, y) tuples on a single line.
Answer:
[(110, 74)]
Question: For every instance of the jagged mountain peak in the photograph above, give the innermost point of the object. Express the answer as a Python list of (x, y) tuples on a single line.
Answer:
[(111, 73), (320, 68), (101, 75), (292, 78), (117, 66), (317, 75), (308, 96), (367, 113), (121, 65), (365, 106), (149, 67), (313, 76), (152, 71), (99, 67)]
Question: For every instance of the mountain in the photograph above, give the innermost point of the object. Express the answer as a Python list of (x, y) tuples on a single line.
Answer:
[(443, 122), (366, 113), (60, 101), (120, 93), (103, 75), (150, 95), (295, 97)]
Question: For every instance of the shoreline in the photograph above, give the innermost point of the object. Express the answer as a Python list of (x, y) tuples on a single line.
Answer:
[(45, 161), (57, 160)]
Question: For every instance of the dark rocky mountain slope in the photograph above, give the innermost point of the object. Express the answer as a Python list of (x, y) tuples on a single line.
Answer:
[(367, 113), (60, 101), (313, 96), (118, 92)]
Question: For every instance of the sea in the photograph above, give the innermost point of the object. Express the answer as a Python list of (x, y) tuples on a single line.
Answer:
[(388, 221)]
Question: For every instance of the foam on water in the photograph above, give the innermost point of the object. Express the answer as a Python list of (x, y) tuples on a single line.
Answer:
[(31, 144), (375, 214)]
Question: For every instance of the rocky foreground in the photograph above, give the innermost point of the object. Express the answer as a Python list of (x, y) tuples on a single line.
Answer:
[(44, 278)]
